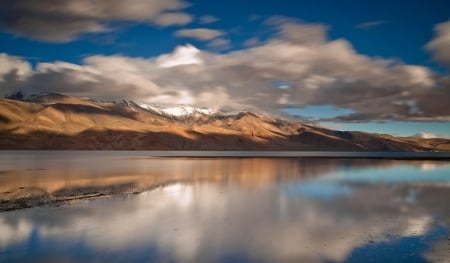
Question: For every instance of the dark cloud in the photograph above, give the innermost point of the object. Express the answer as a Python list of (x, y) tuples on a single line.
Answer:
[(62, 21), (436, 101)]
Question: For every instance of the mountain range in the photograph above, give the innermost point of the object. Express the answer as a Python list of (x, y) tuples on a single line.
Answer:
[(56, 121)]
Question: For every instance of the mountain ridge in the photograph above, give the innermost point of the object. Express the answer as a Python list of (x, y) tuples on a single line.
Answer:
[(56, 121)]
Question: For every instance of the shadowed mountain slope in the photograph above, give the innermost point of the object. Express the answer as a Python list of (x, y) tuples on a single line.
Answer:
[(55, 121)]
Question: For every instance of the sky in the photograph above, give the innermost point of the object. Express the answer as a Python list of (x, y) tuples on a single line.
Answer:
[(378, 66)]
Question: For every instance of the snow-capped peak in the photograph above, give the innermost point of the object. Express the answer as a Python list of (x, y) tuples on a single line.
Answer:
[(177, 111)]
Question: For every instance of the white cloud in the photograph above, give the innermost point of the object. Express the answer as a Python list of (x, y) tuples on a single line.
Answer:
[(417, 75), (199, 33), (440, 44), (319, 72), (62, 21), (14, 67), (13, 73), (182, 55)]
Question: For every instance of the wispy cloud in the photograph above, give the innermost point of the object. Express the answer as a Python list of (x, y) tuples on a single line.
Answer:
[(251, 42), (173, 18), (370, 24), (199, 33), (208, 19), (220, 44)]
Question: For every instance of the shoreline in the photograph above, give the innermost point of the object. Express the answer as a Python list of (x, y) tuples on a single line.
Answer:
[(255, 154)]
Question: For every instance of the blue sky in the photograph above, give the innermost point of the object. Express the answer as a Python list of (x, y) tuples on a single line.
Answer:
[(406, 27), (379, 66)]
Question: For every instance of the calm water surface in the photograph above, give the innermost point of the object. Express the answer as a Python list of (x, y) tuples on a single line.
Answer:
[(130, 207)]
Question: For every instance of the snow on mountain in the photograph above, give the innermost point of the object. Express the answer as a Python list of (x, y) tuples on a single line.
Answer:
[(179, 111), (130, 104)]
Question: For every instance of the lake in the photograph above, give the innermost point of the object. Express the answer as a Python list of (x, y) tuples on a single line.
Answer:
[(69, 206)]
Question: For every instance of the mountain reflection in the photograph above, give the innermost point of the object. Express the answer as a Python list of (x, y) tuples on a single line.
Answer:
[(246, 210), (65, 177)]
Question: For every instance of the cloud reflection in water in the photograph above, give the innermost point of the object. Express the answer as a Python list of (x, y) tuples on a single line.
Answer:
[(309, 219)]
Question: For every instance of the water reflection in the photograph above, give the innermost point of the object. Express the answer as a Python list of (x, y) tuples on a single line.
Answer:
[(30, 179), (239, 210)]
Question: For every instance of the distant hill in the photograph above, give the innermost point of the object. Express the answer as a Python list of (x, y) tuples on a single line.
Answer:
[(55, 121)]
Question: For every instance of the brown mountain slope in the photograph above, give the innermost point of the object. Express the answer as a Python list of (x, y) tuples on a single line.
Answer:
[(60, 122)]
